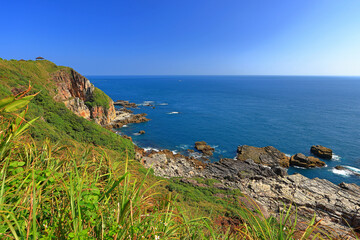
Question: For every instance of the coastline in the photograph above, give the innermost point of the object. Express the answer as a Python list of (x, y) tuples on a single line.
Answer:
[(268, 184)]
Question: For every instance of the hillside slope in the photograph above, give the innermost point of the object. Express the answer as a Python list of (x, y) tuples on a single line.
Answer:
[(66, 102)]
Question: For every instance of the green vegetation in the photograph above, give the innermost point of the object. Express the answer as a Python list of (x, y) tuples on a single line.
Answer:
[(99, 99), (63, 177), (56, 122)]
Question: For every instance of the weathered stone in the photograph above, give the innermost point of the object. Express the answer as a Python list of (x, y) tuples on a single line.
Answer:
[(74, 90), (141, 132), (204, 148), (321, 151), (268, 156), (300, 160)]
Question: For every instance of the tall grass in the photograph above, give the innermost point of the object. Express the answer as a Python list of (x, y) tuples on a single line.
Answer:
[(52, 191)]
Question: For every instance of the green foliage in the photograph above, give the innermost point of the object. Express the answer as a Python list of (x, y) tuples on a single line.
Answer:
[(99, 98), (56, 122)]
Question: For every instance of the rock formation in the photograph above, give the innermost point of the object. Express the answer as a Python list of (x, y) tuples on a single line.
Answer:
[(125, 104), (268, 156), (300, 160), (204, 148), (74, 90), (321, 151), (337, 205), (124, 117)]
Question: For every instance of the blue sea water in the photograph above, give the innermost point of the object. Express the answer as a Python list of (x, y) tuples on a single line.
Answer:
[(287, 112)]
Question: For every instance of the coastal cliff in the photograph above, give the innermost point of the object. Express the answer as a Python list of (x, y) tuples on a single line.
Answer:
[(79, 95)]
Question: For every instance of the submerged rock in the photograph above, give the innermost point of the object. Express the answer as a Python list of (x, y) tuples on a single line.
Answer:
[(300, 160), (321, 151), (204, 148)]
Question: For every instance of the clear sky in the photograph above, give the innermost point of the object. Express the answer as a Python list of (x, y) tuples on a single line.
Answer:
[(236, 37)]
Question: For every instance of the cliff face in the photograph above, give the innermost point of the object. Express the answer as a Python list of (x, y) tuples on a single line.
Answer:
[(75, 91)]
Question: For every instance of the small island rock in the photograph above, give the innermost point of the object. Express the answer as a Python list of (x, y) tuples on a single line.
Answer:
[(321, 151), (141, 132), (204, 148), (300, 160)]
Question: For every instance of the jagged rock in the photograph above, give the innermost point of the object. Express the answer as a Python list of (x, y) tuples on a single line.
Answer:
[(204, 148), (268, 156), (123, 118), (321, 151), (74, 90), (300, 160), (141, 132), (125, 104), (270, 187)]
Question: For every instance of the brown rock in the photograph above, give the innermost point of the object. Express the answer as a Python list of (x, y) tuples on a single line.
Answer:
[(301, 160), (268, 156), (74, 90), (125, 104), (321, 151), (204, 148), (141, 132)]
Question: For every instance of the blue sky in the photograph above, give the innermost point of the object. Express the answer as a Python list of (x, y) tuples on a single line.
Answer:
[(235, 37)]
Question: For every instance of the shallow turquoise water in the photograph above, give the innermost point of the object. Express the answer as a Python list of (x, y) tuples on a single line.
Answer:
[(289, 113)]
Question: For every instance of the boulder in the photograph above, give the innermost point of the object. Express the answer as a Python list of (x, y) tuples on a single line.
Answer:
[(268, 156), (141, 132), (204, 148), (321, 151), (300, 160)]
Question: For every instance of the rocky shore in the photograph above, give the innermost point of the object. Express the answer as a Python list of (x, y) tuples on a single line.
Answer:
[(261, 174)]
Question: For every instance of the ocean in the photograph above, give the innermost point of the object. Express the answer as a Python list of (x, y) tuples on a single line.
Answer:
[(291, 113)]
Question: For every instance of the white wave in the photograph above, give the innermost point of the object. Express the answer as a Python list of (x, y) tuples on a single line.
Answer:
[(299, 167), (288, 155), (335, 157), (174, 152), (125, 125), (342, 172), (183, 146), (146, 103), (148, 149), (163, 104), (196, 155), (354, 169), (173, 113), (136, 134)]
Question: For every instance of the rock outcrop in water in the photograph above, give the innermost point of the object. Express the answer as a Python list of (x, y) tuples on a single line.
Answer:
[(204, 148), (74, 90), (300, 160), (123, 117), (321, 151), (337, 205)]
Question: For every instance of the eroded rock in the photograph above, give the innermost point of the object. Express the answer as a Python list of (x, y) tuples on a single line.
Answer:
[(321, 151), (300, 160)]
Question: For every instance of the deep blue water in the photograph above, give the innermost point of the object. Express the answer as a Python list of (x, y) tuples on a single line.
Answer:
[(289, 113)]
